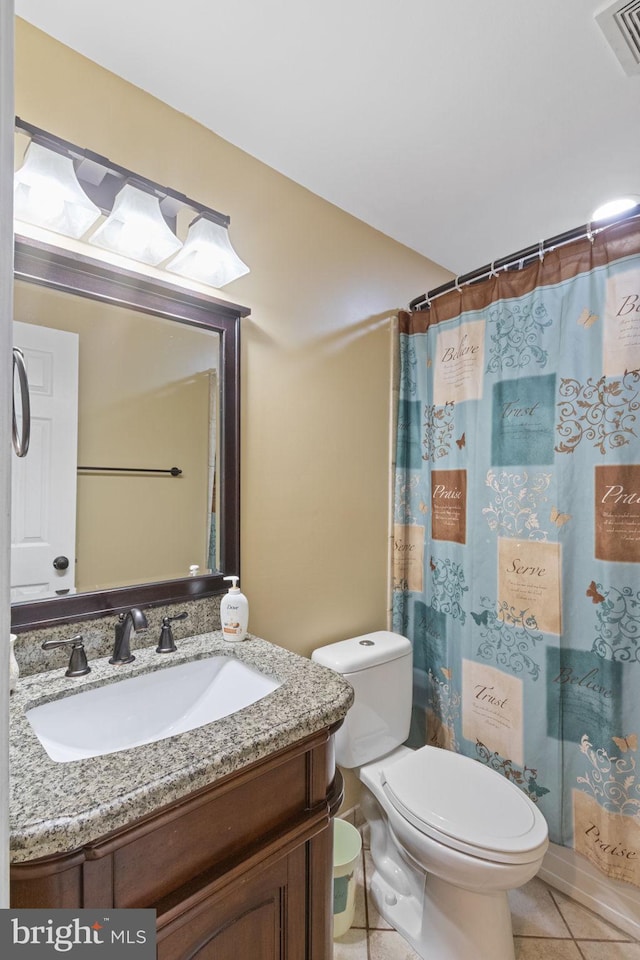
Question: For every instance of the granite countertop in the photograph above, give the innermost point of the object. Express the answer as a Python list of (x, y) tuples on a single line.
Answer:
[(59, 807)]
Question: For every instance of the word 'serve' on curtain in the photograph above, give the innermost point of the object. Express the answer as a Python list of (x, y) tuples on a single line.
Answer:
[(517, 534)]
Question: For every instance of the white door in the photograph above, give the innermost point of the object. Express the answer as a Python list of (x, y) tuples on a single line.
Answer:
[(43, 484)]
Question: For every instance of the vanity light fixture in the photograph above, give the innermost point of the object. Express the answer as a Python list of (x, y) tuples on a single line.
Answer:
[(135, 228), (47, 193), (65, 188), (207, 254)]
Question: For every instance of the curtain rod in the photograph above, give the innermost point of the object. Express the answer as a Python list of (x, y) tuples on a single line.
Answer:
[(521, 257)]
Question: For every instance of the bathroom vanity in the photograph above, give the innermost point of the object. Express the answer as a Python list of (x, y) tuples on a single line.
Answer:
[(224, 830)]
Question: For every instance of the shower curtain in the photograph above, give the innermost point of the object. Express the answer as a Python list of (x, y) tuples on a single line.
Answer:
[(517, 534)]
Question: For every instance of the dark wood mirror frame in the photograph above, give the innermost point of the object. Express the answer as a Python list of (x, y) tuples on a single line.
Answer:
[(60, 269)]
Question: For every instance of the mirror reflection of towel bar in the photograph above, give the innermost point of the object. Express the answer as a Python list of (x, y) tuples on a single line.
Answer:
[(174, 471)]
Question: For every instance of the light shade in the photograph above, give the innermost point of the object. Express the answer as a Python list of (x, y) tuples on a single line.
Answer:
[(135, 228), (207, 255), (46, 193)]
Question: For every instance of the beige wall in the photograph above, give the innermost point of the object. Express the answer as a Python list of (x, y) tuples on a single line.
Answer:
[(316, 349)]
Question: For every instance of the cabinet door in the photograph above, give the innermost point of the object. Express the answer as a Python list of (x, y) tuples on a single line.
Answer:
[(262, 917)]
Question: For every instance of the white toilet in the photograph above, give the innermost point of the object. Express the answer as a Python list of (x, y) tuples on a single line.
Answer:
[(449, 836)]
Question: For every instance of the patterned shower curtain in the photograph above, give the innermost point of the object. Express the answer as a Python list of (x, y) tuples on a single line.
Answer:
[(517, 534)]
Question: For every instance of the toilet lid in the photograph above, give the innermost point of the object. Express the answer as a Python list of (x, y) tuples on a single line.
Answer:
[(464, 804)]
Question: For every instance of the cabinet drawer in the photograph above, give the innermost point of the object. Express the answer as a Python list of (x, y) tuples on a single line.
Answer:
[(223, 825)]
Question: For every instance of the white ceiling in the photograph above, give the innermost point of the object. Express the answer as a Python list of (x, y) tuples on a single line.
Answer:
[(466, 129)]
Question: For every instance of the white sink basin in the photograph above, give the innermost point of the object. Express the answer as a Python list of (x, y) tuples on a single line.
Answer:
[(146, 708)]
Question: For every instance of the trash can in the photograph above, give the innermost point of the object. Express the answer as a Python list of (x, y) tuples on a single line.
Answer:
[(347, 845)]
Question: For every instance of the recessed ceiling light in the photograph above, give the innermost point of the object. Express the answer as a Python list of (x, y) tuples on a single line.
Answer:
[(615, 207)]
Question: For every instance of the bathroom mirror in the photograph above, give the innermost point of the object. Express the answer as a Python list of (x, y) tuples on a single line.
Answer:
[(149, 471)]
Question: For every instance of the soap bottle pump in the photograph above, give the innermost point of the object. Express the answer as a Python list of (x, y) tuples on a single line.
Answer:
[(234, 613)]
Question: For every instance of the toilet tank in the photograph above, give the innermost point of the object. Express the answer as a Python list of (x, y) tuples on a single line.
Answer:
[(379, 668)]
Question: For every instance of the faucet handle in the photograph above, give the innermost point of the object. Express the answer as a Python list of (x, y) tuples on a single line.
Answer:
[(167, 643), (78, 665)]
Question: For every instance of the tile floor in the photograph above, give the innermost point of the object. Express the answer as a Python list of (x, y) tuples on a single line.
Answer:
[(546, 924)]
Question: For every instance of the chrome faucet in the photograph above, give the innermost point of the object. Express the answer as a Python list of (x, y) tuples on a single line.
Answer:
[(133, 619)]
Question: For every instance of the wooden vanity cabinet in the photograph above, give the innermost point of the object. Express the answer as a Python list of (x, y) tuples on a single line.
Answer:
[(241, 868)]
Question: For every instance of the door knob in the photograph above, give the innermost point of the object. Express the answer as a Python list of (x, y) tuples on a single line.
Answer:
[(61, 563)]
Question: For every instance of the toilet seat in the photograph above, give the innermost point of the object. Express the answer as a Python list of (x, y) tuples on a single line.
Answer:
[(465, 805)]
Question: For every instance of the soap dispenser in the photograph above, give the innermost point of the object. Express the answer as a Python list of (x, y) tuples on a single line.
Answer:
[(234, 613)]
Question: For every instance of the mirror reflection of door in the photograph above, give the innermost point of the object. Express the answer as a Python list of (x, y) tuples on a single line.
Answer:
[(43, 488)]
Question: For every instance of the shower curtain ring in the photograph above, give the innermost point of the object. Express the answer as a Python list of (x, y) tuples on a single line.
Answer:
[(493, 272), (457, 286), (541, 250), (590, 235)]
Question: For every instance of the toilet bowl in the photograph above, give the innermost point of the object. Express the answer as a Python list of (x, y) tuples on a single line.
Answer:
[(449, 836)]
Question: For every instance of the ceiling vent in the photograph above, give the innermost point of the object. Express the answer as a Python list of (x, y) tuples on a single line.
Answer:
[(620, 23)]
